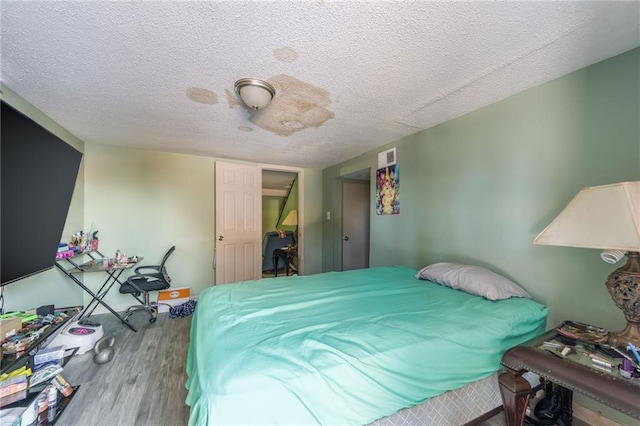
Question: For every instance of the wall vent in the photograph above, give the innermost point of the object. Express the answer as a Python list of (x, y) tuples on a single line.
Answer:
[(387, 158)]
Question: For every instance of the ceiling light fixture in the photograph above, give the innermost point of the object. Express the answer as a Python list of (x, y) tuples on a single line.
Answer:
[(255, 94)]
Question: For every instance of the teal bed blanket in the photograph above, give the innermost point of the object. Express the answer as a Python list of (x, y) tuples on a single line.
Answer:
[(342, 348)]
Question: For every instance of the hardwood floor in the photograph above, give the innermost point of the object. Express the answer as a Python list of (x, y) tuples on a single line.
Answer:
[(144, 384)]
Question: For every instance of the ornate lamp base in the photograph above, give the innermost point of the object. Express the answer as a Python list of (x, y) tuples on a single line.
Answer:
[(624, 286), (631, 333)]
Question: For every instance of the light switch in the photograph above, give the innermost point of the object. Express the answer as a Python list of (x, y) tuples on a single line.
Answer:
[(328, 215)]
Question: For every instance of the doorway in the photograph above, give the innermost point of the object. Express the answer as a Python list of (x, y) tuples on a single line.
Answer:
[(355, 220), (238, 254), (280, 208)]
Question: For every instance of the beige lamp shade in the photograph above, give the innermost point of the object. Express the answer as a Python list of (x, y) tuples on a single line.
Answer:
[(600, 217), (607, 217), (291, 219)]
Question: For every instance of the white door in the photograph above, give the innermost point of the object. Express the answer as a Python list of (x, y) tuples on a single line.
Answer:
[(355, 225), (238, 222)]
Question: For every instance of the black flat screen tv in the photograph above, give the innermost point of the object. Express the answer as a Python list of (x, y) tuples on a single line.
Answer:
[(38, 174)]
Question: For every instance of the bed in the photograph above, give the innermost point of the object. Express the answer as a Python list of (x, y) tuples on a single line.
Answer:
[(344, 348)]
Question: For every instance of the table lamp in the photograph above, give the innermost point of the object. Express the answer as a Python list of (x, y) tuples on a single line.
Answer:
[(292, 220), (607, 217)]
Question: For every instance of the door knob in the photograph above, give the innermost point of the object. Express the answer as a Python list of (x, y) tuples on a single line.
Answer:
[(220, 238), (346, 238)]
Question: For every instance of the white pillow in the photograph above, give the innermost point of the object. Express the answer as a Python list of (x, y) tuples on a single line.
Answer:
[(472, 279)]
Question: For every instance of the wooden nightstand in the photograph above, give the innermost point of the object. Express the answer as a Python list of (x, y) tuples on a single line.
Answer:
[(574, 373)]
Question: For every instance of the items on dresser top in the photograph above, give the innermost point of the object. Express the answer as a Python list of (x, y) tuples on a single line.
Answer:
[(30, 363), (577, 358)]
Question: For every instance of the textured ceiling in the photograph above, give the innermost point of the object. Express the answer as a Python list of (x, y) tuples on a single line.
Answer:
[(349, 76)]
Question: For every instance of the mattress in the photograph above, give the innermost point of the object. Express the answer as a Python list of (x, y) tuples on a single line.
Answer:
[(452, 408), (342, 347)]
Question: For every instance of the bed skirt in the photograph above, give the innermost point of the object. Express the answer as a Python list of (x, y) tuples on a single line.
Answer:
[(452, 408)]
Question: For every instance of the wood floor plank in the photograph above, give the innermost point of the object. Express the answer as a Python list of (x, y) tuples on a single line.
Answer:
[(144, 384)]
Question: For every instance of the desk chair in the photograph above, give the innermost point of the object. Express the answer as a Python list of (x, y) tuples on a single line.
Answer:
[(145, 280)]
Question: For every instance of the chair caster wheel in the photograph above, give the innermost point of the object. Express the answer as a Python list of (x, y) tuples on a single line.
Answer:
[(152, 320)]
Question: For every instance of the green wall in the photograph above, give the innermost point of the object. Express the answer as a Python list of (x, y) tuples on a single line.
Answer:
[(310, 233), (479, 188), (271, 207), (143, 202)]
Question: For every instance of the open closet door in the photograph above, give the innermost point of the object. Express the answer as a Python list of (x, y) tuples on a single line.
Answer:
[(238, 222)]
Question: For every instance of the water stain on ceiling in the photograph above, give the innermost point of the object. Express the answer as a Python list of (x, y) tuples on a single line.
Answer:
[(286, 54), (202, 95), (298, 105), (231, 98)]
